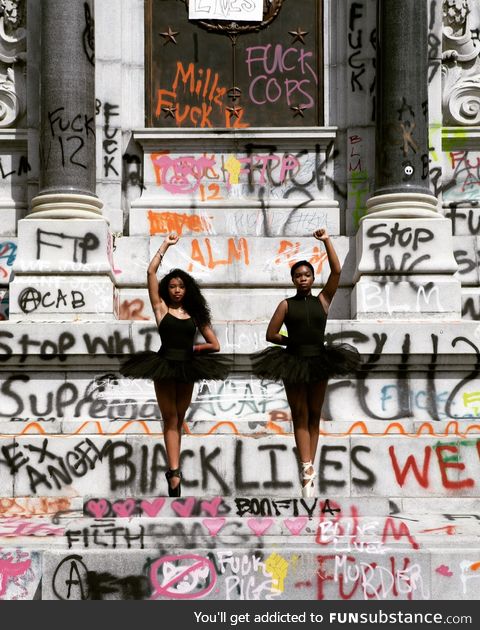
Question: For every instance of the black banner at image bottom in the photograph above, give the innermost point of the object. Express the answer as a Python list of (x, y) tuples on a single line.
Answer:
[(206, 615)]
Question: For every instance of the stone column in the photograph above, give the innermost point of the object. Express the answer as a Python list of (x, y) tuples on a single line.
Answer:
[(64, 264), (67, 135), (404, 245), (401, 135)]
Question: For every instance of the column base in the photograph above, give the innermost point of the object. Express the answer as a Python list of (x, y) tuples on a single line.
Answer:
[(402, 205), (405, 269), (63, 271), (66, 206)]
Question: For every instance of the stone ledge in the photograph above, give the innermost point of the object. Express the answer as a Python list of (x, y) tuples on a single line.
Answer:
[(152, 137), (447, 341)]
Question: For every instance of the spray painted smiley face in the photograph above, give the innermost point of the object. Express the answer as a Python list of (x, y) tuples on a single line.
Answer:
[(408, 169)]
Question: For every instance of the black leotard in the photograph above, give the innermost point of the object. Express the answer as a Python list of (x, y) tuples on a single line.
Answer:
[(306, 359), (176, 360), (177, 337), (305, 321)]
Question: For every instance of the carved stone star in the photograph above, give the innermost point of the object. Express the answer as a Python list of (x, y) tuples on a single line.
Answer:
[(169, 36), (170, 111), (298, 109), (298, 35), (234, 111)]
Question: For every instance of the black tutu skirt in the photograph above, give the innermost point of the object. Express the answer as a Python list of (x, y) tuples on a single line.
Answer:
[(176, 365), (306, 364)]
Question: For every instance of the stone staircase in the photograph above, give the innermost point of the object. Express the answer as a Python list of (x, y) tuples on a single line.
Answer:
[(395, 516)]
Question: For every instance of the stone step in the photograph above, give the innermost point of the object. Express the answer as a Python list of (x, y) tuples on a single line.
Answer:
[(326, 526), (231, 465), (270, 422), (268, 573), (216, 506), (453, 509)]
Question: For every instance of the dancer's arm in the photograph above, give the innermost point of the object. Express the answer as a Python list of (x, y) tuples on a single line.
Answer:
[(158, 305), (273, 330), (330, 288), (212, 344)]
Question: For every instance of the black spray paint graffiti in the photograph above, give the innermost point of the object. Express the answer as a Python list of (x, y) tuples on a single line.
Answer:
[(356, 60), (133, 172), (145, 466), (68, 399), (397, 238), (277, 507), (466, 220), (471, 308), (434, 44), (72, 136), (110, 346), (403, 389), (88, 37), (189, 534), (80, 245), (22, 168), (73, 581), (107, 535), (17, 399), (46, 469), (110, 137), (318, 177), (30, 299)]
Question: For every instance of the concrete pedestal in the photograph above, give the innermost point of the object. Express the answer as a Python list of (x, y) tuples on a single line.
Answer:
[(65, 271)]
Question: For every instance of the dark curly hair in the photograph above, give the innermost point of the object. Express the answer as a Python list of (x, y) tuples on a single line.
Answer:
[(302, 263), (193, 302)]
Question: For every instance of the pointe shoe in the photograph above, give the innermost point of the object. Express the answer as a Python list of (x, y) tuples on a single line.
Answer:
[(177, 490), (308, 489)]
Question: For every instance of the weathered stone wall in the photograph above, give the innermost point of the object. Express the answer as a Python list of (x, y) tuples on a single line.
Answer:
[(82, 462)]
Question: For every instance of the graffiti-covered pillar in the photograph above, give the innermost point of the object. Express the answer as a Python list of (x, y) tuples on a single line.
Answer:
[(63, 268), (67, 131), (404, 245)]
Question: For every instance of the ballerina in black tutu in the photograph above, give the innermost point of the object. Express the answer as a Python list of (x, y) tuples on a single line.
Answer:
[(179, 309), (306, 363)]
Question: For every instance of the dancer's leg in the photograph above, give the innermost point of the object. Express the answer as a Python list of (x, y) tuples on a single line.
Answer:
[(297, 399), (167, 401), (184, 398), (315, 397)]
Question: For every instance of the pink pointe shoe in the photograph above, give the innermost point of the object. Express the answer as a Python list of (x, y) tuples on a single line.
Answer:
[(308, 487)]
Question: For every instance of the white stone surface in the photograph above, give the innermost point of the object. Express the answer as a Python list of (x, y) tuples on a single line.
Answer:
[(205, 166), (229, 305), (450, 343), (240, 217), (79, 458), (62, 247), (413, 297), (57, 297), (131, 258), (220, 261), (405, 246), (404, 468), (360, 170)]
